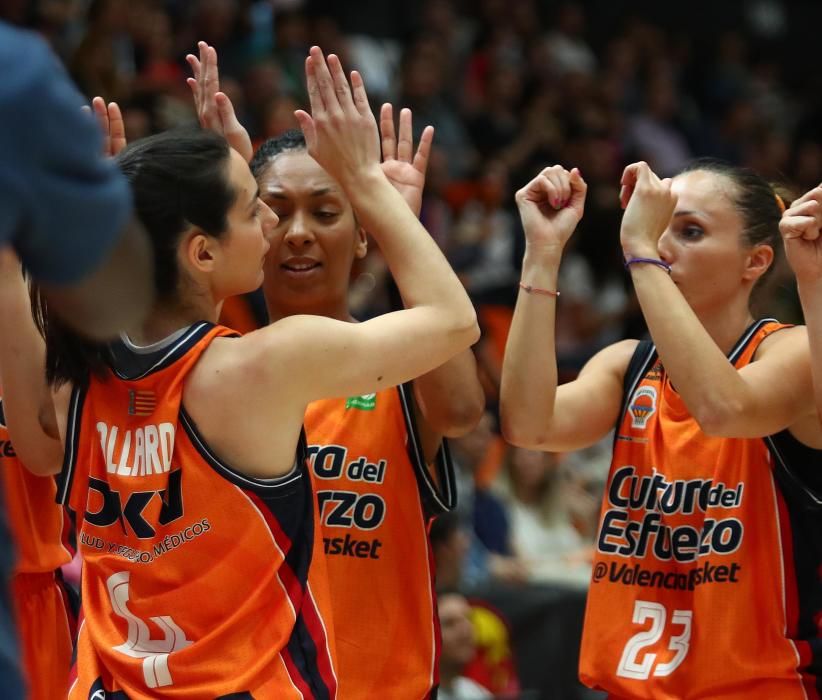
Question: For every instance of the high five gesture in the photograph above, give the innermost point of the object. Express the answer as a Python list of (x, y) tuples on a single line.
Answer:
[(404, 168), (214, 108)]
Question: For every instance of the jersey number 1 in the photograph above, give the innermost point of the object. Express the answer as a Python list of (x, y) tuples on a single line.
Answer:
[(139, 644), (629, 664)]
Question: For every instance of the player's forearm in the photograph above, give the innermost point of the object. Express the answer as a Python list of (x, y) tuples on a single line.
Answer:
[(711, 387), (810, 295), (419, 268), (450, 397), (529, 370), (23, 377)]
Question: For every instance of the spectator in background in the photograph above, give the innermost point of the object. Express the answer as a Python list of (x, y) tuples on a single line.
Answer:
[(499, 123), (458, 648), (424, 91), (291, 39), (450, 543), (278, 116), (265, 89), (566, 44), (484, 234), (656, 134), (553, 519), (490, 557), (158, 70), (104, 61)]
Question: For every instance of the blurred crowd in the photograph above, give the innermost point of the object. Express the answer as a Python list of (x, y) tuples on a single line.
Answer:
[(510, 87)]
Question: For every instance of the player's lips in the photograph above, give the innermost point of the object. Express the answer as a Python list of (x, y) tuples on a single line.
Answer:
[(300, 265)]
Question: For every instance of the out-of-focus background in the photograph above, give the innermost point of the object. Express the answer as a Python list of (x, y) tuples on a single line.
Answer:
[(511, 86)]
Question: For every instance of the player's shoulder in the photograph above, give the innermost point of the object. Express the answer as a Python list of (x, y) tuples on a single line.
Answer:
[(782, 340), (614, 358)]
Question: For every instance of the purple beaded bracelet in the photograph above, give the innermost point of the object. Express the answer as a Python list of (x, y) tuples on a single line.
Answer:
[(653, 261)]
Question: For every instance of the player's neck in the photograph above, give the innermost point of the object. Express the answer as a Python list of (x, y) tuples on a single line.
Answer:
[(336, 309), (726, 324), (167, 318)]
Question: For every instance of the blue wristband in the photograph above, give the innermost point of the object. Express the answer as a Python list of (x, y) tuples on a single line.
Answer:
[(653, 261)]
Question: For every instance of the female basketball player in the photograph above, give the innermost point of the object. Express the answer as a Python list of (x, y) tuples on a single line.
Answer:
[(801, 226), (46, 622), (706, 574), (184, 464), (370, 454)]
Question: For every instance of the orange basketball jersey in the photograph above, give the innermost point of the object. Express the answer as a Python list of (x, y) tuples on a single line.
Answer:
[(195, 577), (35, 520), (45, 619), (376, 496), (706, 575)]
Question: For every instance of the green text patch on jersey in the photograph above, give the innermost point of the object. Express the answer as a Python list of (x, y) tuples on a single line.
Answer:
[(366, 402)]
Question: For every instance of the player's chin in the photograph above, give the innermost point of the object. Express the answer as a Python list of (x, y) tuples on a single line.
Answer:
[(248, 283)]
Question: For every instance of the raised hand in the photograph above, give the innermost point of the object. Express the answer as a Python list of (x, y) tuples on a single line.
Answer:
[(214, 108), (111, 124), (550, 207), (801, 226), (341, 133), (404, 169), (649, 205)]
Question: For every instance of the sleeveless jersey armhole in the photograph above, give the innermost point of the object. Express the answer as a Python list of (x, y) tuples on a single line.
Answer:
[(284, 485), (798, 469), (65, 479), (641, 361), (440, 495)]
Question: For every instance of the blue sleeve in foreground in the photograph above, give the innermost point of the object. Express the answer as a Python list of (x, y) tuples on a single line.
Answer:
[(63, 204)]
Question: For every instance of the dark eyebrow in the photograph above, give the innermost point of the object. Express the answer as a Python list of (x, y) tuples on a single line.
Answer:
[(686, 212), (280, 194)]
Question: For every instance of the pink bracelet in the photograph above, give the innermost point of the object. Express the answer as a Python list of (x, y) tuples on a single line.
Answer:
[(653, 261), (536, 290)]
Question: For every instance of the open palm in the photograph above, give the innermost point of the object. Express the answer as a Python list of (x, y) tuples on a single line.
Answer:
[(214, 108), (404, 169)]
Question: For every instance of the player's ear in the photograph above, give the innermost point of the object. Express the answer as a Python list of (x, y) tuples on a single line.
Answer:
[(361, 245)]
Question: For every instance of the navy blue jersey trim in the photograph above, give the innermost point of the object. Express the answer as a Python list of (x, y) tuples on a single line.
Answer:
[(746, 338), (800, 467), (645, 353), (65, 479), (284, 485), (436, 499), (798, 474), (131, 366), (638, 366), (293, 510), (303, 652)]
